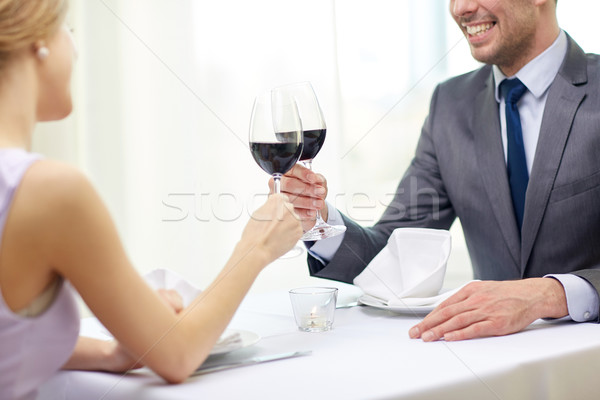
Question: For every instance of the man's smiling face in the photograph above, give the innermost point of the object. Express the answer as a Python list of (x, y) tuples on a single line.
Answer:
[(500, 32)]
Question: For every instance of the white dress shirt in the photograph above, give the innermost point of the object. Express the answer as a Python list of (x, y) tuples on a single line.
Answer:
[(537, 76)]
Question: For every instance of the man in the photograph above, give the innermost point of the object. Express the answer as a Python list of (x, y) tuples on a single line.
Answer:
[(516, 162)]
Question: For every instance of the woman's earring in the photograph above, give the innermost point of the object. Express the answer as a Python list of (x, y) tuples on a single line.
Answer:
[(42, 52)]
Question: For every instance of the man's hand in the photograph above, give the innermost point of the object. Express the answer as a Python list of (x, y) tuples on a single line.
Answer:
[(307, 191), (492, 308)]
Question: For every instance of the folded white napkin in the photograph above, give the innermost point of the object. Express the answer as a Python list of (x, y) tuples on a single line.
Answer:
[(410, 269), (166, 279)]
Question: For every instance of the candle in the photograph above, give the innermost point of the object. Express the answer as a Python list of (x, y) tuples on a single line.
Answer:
[(315, 320), (313, 308)]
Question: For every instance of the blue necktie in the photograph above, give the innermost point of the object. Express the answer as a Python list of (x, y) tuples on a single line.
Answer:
[(512, 90)]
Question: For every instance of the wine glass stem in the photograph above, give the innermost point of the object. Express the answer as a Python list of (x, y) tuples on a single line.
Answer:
[(319, 219), (277, 183)]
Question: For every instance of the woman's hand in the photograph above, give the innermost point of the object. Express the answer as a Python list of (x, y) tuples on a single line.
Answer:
[(118, 359), (172, 299), (274, 228)]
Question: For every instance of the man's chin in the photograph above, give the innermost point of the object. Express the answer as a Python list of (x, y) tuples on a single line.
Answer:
[(483, 54)]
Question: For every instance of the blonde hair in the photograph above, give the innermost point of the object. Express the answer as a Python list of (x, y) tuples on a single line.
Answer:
[(24, 22)]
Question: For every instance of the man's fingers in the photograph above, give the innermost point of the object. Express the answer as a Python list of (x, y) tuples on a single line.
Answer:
[(453, 305), (302, 173), (456, 322), (442, 313), (476, 330), (308, 203), (456, 298), (300, 188)]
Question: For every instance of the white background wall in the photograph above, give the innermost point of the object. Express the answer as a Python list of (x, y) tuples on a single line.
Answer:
[(164, 88)]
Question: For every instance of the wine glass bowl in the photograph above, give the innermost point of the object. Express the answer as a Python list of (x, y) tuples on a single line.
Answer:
[(275, 158), (313, 141), (275, 134), (314, 132)]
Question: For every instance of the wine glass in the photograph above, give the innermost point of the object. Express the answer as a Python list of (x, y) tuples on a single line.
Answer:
[(314, 129), (275, 134)]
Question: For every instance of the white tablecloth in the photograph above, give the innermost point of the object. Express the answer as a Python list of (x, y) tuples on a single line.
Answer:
[(368, 355)]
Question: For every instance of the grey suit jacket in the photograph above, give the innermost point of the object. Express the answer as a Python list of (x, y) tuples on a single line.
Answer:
[(459, 171)]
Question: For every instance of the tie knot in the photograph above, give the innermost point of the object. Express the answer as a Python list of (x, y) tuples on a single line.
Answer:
[(512, 90)]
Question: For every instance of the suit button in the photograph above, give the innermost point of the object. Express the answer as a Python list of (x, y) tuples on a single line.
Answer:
[(586, 315)]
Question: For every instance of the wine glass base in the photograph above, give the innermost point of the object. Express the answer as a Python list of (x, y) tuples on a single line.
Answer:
[(323, 231)]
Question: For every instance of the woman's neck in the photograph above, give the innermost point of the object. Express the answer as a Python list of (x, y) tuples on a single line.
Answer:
[(17, 105)]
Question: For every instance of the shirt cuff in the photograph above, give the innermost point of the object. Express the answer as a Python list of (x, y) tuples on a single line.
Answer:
[(324, 250), (582, 298)]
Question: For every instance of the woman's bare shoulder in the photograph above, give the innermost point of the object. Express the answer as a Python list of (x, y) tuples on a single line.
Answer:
[(52, 186), (48, 211), (53, 174), (53, 197), (59, 206)]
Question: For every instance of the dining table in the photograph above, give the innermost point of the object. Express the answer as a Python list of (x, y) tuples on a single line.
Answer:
[(366, 355)]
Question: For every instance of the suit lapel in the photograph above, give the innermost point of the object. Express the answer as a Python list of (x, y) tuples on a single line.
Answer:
[(566, 94), (490, 158)]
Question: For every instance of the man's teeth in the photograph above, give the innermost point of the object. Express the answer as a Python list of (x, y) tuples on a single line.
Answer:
[(478, 29)]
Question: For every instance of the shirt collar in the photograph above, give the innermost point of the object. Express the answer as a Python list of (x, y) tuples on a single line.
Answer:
[(540, 72)]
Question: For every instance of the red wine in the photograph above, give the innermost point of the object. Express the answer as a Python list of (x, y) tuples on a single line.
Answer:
[(313, 141), (275, 157)]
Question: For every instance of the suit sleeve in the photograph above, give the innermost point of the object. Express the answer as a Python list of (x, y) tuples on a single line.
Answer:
[(420, 201), (592, 276)]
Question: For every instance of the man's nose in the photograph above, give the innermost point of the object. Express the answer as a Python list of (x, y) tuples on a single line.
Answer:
[(461, 8)]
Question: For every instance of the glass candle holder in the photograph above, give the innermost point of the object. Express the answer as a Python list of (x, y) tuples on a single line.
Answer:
[(314, 307)]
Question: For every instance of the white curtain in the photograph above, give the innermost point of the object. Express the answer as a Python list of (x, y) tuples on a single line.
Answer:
[(164, 89)]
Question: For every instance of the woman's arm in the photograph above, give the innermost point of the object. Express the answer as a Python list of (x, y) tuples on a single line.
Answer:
[(81, 244), (108, 355), (101, 355)]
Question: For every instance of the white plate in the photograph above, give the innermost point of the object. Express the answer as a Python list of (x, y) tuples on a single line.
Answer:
[(93, 328), (403, 309), (247, 339)]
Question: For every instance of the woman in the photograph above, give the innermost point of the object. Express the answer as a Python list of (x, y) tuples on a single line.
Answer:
[(55, 232)]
